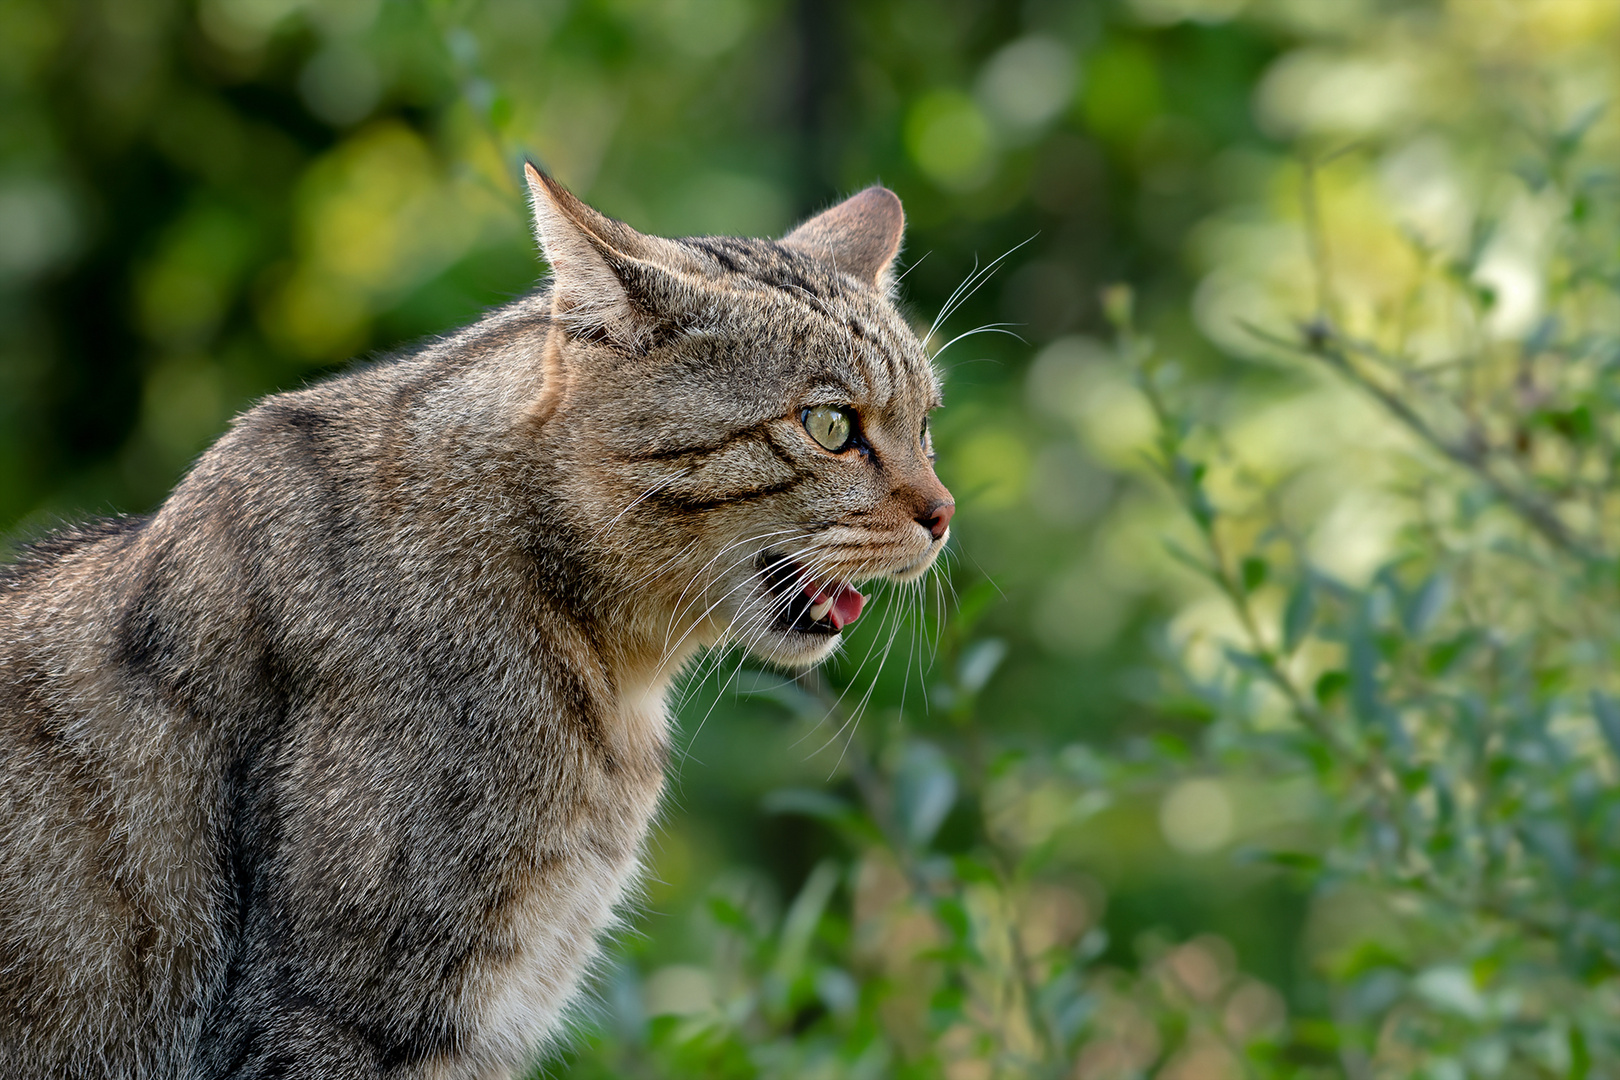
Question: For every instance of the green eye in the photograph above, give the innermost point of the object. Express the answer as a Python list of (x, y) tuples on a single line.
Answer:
[(830, 426)]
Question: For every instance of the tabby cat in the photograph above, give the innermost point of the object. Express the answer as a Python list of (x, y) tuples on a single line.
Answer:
[(339, 763)]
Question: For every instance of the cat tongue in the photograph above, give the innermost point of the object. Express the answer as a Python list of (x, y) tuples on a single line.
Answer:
[(845, 602)]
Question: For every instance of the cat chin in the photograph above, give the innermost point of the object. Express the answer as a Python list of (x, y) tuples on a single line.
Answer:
[(795, 649)]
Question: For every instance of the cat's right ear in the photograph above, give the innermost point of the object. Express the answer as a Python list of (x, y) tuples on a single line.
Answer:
[(861, 235), (597, 264)]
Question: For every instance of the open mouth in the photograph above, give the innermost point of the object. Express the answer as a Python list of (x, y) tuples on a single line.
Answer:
[(812, 606)]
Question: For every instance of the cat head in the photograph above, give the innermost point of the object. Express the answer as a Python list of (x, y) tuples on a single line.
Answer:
[(745, 421)]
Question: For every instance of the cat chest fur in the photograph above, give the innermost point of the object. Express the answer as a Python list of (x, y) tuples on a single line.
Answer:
[(544, 940)]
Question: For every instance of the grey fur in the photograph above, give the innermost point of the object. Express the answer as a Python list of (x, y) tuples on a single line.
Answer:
[(338, 764)]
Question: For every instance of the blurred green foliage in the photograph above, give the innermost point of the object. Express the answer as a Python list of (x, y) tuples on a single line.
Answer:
[(1267, 725)]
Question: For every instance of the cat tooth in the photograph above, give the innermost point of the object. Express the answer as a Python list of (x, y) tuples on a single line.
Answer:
[(819, 611)]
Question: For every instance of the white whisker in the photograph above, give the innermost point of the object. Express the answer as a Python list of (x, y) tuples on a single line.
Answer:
[(959, 297), (665, 482), (987, 328)]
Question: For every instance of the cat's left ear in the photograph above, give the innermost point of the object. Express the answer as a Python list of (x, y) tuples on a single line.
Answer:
[(861, 235)]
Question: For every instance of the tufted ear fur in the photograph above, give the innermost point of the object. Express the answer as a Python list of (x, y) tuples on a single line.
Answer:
[(608, 278), (860, 236)]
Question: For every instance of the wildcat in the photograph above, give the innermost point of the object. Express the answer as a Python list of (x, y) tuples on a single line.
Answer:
[(338, 764)]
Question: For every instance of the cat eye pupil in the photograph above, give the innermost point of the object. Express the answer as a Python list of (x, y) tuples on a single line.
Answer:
[(829, 426)]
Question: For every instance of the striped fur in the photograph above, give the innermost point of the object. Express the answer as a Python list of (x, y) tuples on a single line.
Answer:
[(339, 764)]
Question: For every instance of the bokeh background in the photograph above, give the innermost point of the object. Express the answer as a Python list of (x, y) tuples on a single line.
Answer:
[(201, 203)]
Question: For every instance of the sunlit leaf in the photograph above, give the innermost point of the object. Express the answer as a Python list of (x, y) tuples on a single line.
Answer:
[(979, 662)]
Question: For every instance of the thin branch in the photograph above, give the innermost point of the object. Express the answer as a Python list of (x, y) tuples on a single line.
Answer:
[(1323, 343)]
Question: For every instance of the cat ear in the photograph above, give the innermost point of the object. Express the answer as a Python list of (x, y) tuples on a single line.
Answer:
[(861, 235), (606, 276)]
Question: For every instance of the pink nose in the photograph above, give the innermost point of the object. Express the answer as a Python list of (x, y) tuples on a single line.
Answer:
[(938, 519)]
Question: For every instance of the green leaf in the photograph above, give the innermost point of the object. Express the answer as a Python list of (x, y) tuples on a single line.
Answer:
[(1554, 843), (924, 791), (1569, 140), (1580, 1057), (956, 919), (1446, 654), (969, 869), (1300, 861), (1451, 989), (1170, 747), (1185, 707), (1317, 1034), (500, 111), (1253, 571), (802, 919), (979, 662), (1298, 615), (1428, 603), (728, 914), (1365, 655), (974, 602), (1302, 743), (946, 1005), (1365, 957), (1330, 686), (1544, 334), (806, 801), (1607, 712), (826, 807)]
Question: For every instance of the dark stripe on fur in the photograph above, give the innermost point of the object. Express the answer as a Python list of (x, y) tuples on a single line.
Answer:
[(759, 430), (697, 506)]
